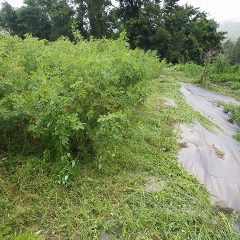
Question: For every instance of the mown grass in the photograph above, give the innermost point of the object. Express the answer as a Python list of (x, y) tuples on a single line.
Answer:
[(108, 197)]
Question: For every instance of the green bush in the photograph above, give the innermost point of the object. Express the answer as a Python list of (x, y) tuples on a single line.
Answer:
[(190, 69), (229, 75), (63, 99)]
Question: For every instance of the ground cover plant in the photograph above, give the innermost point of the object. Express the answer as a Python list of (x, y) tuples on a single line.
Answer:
[(109, 195)]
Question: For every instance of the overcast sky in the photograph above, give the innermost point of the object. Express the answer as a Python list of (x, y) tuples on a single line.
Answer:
[(15, 3), (221, 10)]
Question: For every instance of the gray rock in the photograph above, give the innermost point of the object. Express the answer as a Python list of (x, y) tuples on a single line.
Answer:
[(223, 206), (153, 184), (113, 234), (169, 102)]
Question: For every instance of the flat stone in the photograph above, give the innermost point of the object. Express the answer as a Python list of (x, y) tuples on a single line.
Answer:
[(153, 184), (114, 234), (223, 206), (212, 156), (107, 236), (169, 102)]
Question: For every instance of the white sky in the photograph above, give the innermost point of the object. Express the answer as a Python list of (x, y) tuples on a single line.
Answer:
[(220, 10), (15, 3)]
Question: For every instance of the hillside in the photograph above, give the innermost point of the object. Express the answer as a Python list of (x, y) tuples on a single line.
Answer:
[(89, 147), (233, 29)]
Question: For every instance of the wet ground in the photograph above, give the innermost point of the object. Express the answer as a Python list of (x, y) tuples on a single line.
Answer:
[(213, 157)]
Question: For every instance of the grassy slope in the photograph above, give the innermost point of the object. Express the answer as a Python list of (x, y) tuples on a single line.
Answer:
[(108, 194), (192, 73)]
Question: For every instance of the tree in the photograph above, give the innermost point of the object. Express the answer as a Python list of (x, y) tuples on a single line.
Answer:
[(95, 17), (228, 48), (177, 33), (44, 19), (31, 19), (8, 18), (236, 52), (61, 19)]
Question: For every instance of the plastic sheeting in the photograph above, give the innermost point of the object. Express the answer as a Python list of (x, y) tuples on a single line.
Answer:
[(213, 157)]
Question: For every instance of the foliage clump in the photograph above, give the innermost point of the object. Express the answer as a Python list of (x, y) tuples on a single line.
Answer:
[(62, 99), (178, 33)]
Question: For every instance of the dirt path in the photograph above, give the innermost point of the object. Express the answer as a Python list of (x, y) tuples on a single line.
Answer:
[(213, 157)]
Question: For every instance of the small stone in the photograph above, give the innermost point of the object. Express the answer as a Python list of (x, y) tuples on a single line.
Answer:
[(223, 206), (226, 111), (231, 120), (107, 236), (154, 184), (218, 152), (114, 234), (169, 102), (183, 145)]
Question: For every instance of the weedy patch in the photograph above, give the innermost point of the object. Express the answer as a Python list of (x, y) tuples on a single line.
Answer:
[(110, 201)]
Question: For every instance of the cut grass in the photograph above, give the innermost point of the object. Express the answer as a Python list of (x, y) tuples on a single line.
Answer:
[(107, 197)]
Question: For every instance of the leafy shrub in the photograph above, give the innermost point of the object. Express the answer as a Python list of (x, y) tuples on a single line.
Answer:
[(237, 136), (63, 99), (190, 69)]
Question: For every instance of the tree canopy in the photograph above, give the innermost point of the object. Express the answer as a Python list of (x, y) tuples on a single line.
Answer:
[(177, 33)]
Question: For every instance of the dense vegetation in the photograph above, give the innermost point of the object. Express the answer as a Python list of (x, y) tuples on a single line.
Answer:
[(111, 194), (178, 33), (62, 99), (88, 148)]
